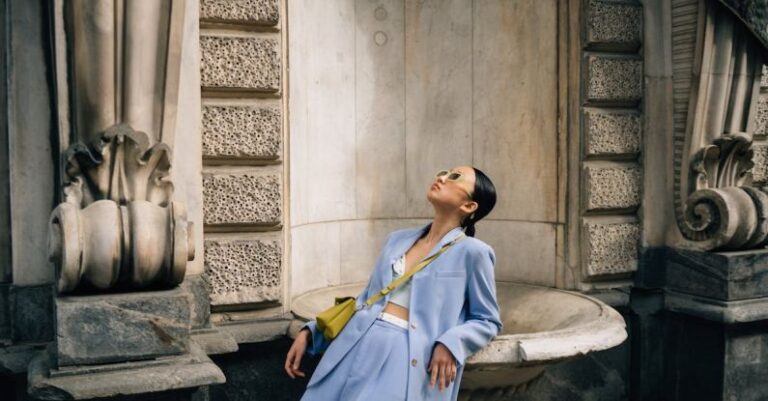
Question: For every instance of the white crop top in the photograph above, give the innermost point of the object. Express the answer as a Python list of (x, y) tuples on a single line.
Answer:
[(401, 295)]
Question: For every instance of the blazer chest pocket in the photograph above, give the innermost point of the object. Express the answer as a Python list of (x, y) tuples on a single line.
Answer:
[(450, 273)]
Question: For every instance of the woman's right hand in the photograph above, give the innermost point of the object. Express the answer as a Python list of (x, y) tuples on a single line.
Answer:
[(293, 360)]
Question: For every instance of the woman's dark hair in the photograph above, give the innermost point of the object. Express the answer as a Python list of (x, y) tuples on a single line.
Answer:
[(485, 196)]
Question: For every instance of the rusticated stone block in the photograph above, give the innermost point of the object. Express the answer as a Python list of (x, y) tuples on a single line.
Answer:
[(614, 79), (249, 12), (121, 327), (617, 24), (241, 132), (611, 248), (611, 133), (235, 199), (612, 187), (246, 63), (243, 271), (760, 169), (761, 117)]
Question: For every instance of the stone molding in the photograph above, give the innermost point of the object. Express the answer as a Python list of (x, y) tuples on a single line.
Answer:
[(117, 74), (716, 90)]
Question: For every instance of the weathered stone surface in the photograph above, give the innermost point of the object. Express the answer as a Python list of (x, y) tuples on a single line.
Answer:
[(243, 271), (710, 360), (149, 378), (5, 313), (761, 117), (760, 169), (611, 133), (618, 24), (234, 199), (252, 12), (611, 248), (121, 327), (612, 187), (720, 275), (764, 77), (250, 63), (241, 132), (14, 359), (614, 79), (214, 341), (32, 313), (195, 287)]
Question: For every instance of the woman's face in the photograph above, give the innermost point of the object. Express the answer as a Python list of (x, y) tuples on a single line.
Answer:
[(454, 194)]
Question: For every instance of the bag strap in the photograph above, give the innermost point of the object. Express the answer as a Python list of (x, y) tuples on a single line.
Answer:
[(397, 282)]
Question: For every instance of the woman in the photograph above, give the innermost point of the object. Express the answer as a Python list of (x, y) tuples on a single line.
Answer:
[(415, 340)]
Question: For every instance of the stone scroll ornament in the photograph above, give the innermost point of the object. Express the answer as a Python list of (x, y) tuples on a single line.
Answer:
[(117, 82), (117, 226), (716, 206)]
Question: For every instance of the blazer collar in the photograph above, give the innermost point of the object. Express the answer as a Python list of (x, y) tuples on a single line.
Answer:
[(410, 237)]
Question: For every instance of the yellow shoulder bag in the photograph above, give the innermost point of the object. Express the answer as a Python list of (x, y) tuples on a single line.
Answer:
[(332, 320)]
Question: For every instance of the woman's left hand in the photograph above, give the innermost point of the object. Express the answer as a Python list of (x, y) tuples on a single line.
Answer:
[(442, 366)]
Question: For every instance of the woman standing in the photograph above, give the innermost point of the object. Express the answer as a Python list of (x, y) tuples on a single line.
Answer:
[(413, 342)]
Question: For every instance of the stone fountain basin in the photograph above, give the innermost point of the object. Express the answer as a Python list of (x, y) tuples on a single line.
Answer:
[(542, 326)]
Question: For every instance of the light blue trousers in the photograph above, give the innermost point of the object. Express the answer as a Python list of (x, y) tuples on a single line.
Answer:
[(375, 368)]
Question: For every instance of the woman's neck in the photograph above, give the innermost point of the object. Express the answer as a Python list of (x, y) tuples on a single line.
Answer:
[(439, 227)]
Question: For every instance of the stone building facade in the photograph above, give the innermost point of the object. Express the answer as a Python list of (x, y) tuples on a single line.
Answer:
[(183, 182)]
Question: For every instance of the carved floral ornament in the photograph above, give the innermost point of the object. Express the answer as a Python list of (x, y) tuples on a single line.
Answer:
[(117, 83), (716, 206), (117, 226)]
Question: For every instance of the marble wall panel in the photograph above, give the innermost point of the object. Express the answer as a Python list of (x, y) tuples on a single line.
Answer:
[(438, 84), (514, 113)]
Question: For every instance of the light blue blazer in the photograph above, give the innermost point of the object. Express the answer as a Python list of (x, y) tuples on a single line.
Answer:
[(453, 301)]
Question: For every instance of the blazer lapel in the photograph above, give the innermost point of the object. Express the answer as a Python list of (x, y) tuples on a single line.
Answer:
[(410, 238)]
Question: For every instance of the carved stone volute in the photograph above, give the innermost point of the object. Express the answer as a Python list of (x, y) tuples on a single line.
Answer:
[(716, 207), (118, 227)]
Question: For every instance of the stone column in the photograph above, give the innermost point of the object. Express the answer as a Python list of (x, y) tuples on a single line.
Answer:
[(715, 328), (121, 239)]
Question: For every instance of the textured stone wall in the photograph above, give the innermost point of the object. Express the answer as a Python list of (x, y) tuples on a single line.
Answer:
[(611, 176), (241, 46), (760, 170)]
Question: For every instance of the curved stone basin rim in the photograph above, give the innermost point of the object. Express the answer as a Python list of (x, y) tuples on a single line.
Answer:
[(604, 329)]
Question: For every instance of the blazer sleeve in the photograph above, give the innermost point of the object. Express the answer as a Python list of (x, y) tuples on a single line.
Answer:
[(319, 342), (483, 321)]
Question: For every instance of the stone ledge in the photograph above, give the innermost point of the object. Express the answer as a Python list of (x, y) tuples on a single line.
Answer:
[(255, 331), (214, 342), (725, 276), (729, 312), (615, 297), (78, 383)]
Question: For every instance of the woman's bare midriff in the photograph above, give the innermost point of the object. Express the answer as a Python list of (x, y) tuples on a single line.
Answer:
[(397, 310)]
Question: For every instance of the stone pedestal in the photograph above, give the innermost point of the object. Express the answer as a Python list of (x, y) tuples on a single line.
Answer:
[(122, 344), (147, 380), (121, 327), (716, 335)]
